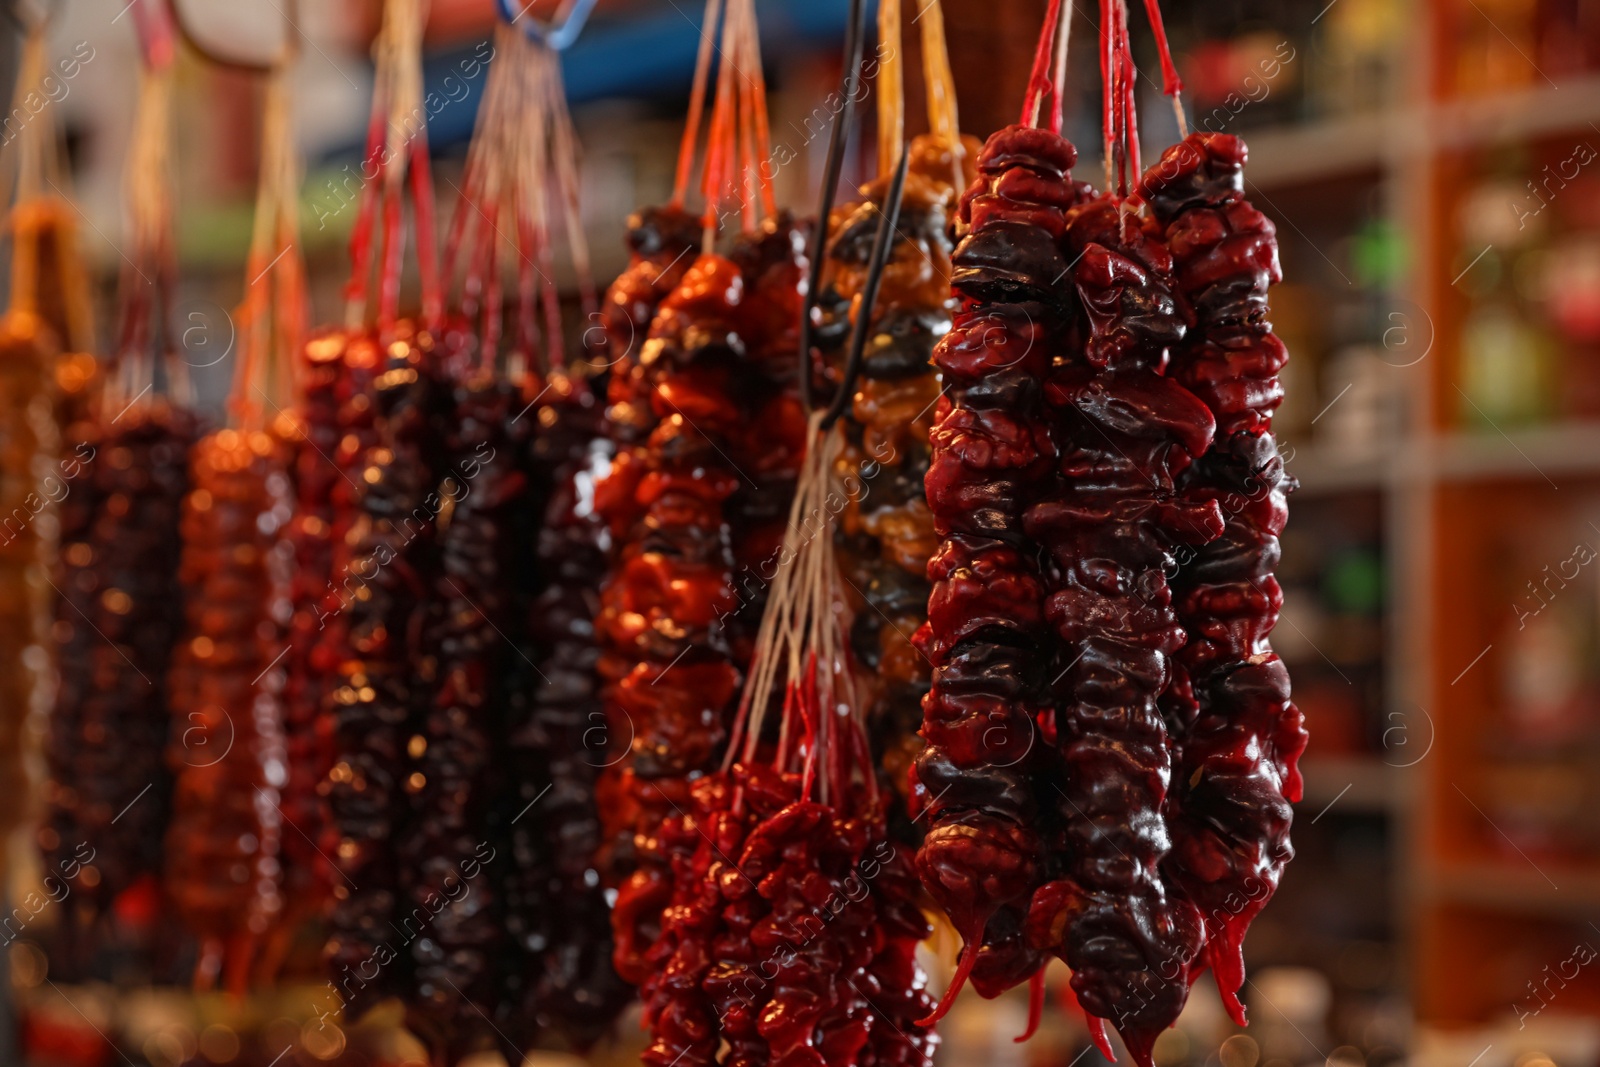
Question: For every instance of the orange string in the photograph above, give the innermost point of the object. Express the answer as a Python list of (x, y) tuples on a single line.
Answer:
[(697, 103)]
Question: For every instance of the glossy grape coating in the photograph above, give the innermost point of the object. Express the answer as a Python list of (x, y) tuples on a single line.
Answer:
[(562, 926), (661, 245), (986, 635), (1126, 433), (224, 866), (116, 625), (790, 935), (705, 489), (885, 532), (28, 454), (1238, 735), (455, 787), (382, 694), (311, 674)]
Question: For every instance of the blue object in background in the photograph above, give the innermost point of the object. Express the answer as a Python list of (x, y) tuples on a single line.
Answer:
[(645, 56)]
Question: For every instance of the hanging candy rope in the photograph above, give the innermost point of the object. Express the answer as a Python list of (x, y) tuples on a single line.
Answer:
[(228, 814)]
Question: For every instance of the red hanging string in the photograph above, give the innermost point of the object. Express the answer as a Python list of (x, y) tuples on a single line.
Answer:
[(749, 194), (427, 252), (1039, 77), (394, 231), (1130, 119), (1108, 105), (471, 191), (555, 345), (717, 148), (1171, 84), (808, 712), (527, 292), (493, 305), (366, 214)]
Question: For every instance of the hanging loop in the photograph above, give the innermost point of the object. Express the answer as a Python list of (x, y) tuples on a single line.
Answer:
[(286, 56), (560, 32), (38, 19)]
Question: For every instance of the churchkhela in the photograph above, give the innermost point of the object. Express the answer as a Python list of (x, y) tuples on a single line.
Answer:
[(1239, 737), (885, 528), (1110, 740), (696, 488)]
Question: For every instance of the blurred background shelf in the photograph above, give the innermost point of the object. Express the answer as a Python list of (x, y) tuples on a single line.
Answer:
[(1537, 452), (1516, 886)]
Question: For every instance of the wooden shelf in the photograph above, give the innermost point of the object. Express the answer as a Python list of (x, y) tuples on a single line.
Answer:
[(1327, 149), (1532, 454), (1536, 453), (1353, 144), (1516, 886), (1322, 470), (1571, 105)]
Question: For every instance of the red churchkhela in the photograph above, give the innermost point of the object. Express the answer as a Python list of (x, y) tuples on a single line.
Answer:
[(1239, 736), (986, 635)]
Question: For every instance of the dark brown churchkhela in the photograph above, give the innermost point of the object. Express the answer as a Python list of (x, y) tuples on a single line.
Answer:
[(1238, 735), (571, 987), (384, 678), (986, 635), (381, 695), (455, 778), (886, 530), (1126, 433), (115, 629)]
